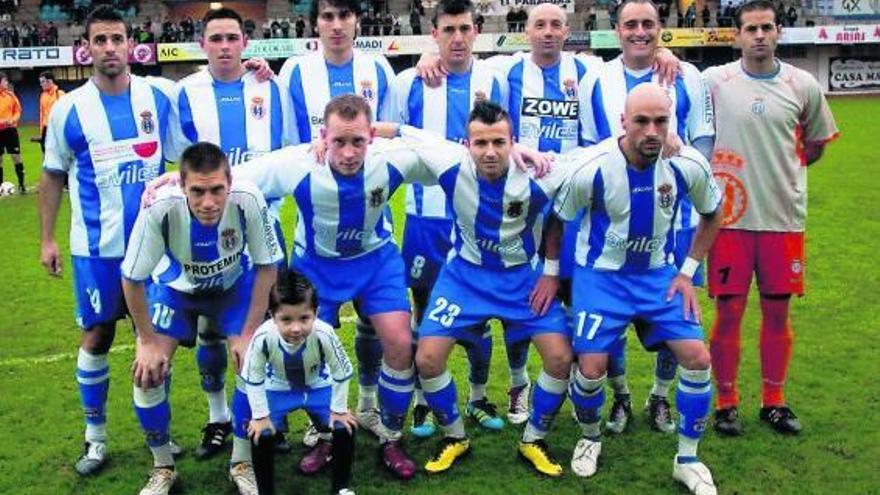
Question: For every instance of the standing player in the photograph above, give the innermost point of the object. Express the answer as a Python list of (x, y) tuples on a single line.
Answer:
[(493, 272), (193, 242), (245, 116), (108, 137), (773, 121), (10, 113), (427, 239), (602, 102), (312, 81), (624, 273), (48, 97)]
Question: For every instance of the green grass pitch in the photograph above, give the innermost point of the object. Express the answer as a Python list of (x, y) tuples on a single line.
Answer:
[(832, 384)]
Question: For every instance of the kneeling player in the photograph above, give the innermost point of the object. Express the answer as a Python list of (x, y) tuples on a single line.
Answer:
[(193, 241), (622, 275), (492, 273), (285, 369)]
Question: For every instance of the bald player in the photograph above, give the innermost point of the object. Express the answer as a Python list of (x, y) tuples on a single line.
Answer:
[(629, 195)]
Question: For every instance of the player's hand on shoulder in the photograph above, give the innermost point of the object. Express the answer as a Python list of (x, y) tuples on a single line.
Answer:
[(318, 148), (527, 159), (666, 65), (430, 68), (256, 428), (346, 419), (50, 257), (260, 67), (672, 146), (151, 191)]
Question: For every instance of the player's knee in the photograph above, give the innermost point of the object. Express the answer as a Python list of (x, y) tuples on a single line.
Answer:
[(557, 362), (592, 366), (694, 356), (428, 364), (397, 347), (99, 338), (145, 398), (731, 308)]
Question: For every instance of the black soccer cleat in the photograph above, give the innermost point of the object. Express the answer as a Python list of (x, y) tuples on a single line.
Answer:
[(214, 436), (782, 419), (621, 413), (727, 422)]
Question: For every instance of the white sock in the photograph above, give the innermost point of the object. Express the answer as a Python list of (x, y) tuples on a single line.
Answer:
[(687, 447), (518, 377), (419, 397), (96, 433), (455, 429), (532, 434), (619, 385), (478, 392), (661, 387), (162, 456), (218, 409), (367, 397), (241, 450)]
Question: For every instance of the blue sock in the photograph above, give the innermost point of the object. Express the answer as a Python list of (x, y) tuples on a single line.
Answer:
[(517, 354), (588, 397), (664, 372), (211, 358), (93, 378), (693, 399), (479, 356), (547, 397), (368, 350), (154, 413), (617, 358), (442, 397), (241, 413), (395, 394)]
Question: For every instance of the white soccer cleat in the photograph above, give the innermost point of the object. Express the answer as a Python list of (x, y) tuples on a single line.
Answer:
[(370, 420), (242, 474), (585, 458), (695, 476), (93, 458), (160, 482), (518, 405), (311, 435)]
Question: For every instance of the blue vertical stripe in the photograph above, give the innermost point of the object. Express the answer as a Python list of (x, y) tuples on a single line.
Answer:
[(487, 225), (415, 117), (447, 182), (581, 72), (537, 201), (383, 93), (352, 200), (496, 93), (633, 81), (458, 105), (294, 369), (641, 216), (599, 220), (300, 110), (121, 118), (603, 129), (303, 196), (277, 116), (89, 197), (203, 241), (229, 98), (682, 206), (551, 92), (341, 78), (682, 108), (515, 83), (187, 123)]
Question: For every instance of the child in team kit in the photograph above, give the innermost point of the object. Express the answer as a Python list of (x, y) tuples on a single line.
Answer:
[(296, 361)]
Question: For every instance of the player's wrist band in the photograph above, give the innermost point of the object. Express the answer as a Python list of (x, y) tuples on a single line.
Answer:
[(551, 267), (689, 267)]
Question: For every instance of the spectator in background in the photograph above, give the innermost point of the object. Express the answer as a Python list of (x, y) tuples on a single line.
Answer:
[(285, 28), (521, 18), (51, 35), (249, 28), (50, 94), (415, 21), (663, 10), (300, 26), (387, 23), (479, 21), (367, 23), (612, 13), (511, 20), (690, 16), (395, 24), (267, 29), (10, 114), (791, 16), (707, 14), (590, 24)]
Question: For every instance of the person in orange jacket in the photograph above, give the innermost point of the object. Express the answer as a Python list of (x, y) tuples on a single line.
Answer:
[(10, 113), (51, 94)]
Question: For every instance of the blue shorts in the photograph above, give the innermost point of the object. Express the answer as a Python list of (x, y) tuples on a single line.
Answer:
[(97, 286), (175, 313), (683, 240), (569, 243), (426, 243), (315, 402), (374, 282), (605, 303), (466, 296)]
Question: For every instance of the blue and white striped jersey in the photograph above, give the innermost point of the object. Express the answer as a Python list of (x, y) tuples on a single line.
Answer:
[(168, 243), (498, 224), (312, 82), (245, 118), (110, 146), (339, 216), (543, 102), (273, 364), (443, 110), (603, 99), (630, 213)]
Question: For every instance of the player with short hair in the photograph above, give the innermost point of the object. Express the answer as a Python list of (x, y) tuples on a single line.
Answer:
[(109, 137), (624, 272), (772, 122), (296, 361), (10, 114), (48, 98), (493, 271), (427, 237), (312, 81), (246, 116), (210, 249), (602, 102)]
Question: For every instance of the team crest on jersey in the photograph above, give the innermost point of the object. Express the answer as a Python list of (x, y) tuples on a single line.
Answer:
[(377, 197), (570, 89), (480, 96), (758, 106), (258, 109), (515, 209), (147, 124), (228, 239), (665, 195), (367, 89), (796, 266)]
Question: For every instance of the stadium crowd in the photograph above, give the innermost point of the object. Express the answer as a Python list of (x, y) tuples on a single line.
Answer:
[(566, 196)]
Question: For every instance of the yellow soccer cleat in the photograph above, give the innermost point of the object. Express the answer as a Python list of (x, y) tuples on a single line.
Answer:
[(539, 457), (449, 450)]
